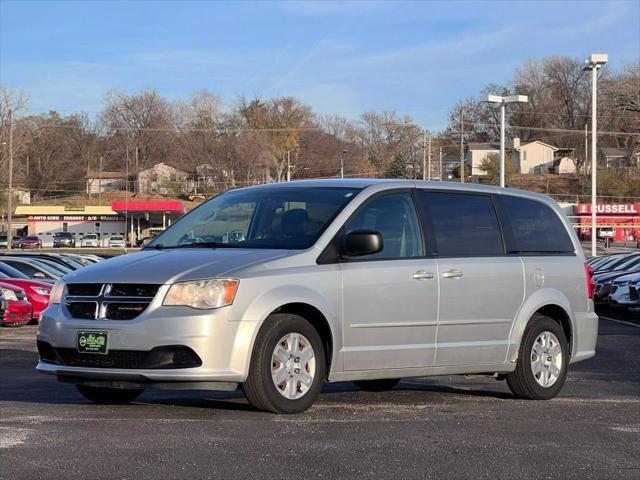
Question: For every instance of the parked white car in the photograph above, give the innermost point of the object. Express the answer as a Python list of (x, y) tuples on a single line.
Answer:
[(621, 291), (90, 240), (116, 242)]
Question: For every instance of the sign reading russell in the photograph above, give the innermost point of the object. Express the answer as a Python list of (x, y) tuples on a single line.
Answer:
[(610, 208)]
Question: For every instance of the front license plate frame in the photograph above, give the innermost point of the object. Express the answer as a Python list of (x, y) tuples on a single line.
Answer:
[(92, 342)]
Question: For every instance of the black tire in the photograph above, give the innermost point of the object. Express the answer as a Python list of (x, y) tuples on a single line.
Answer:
[(259, 388), (380, 385), (522, 381), (109, 395)]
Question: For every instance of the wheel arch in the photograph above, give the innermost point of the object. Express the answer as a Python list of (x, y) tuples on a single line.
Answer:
[(297, 300), (317, 319), (549, 302)]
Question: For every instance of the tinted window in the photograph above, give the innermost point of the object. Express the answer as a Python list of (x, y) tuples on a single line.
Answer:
[(535, 227), (463, 224), (394, 217)]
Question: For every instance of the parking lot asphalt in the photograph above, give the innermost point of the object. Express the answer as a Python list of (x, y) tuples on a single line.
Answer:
[(436, 427)]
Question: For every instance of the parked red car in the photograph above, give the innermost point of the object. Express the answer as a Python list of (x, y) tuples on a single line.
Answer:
[(37, 292), (15, 309), (30, 242)]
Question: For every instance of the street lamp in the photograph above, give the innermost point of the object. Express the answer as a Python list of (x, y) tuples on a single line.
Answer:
[(503, 103), (342, 163), (593, 63)]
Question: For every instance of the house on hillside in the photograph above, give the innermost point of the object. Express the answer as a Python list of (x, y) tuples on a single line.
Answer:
[(21, 196), (100, 182), (164, 179), (478, 153), (612, 157), (534, 157)]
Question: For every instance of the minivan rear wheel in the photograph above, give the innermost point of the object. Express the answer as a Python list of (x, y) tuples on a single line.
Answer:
[(288, 365), (109, 395), (543, 359), (380, 385)]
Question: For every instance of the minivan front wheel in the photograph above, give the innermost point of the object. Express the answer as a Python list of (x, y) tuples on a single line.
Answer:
[(542, 363), (288, 366)]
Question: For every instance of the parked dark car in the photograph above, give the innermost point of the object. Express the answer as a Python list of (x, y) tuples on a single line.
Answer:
[(30, 242), (63, 239)]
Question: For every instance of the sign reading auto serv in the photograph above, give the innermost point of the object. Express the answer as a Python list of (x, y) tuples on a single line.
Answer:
[(75, 218), (610, 208)]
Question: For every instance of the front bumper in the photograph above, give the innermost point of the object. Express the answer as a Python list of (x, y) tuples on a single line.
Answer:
[(16, 312), (222, 345)]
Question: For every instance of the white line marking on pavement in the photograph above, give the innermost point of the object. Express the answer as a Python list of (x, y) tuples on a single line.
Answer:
[(620, 321)]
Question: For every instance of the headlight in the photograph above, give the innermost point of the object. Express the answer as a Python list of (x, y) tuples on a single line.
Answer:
[(56, 292), (41, 290), (203, 294), (8, 294)]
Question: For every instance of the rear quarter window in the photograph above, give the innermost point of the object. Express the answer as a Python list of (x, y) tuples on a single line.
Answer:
[(535, 227)]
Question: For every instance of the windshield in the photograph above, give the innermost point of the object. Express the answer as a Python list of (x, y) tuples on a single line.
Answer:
[(283, 217)]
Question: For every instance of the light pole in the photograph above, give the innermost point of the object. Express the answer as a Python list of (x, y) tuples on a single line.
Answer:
[(342, 163), (503, 104), (594, 63)]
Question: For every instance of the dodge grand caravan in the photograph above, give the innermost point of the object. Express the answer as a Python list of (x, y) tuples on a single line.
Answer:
[(283, 287)]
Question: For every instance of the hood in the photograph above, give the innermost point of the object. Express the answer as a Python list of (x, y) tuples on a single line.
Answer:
[(603, 277), (169, 266), (629, 277)]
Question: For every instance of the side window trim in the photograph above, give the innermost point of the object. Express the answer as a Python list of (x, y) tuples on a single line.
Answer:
[(331, 255)]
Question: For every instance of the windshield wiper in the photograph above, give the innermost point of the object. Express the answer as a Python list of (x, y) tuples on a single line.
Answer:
[(205, 245)]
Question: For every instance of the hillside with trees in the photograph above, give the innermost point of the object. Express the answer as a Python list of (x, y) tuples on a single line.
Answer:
[(251, 140)]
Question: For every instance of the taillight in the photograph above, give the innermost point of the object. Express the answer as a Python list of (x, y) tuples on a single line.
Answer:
[(591, 283)]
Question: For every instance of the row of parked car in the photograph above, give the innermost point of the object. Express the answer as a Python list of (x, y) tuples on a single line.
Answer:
[(63, 240), (26, 280), (617, 281)]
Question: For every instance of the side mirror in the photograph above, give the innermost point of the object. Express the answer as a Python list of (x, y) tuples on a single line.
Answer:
[(361, 242)]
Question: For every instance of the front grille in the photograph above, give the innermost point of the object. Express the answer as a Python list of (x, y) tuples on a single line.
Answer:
[(133, 290), (165, 357), (84, 289), (113, 359), (84, 310), (634, 293), (118, 301), (124, 311)]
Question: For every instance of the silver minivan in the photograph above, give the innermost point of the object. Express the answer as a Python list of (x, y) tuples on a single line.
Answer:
[(280, 288)]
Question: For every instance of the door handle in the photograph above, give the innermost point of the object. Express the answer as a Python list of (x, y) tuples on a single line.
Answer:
[(452, 274), (422, 275)]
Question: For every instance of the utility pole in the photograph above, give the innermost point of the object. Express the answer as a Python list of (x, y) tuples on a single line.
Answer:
[(429, 153), (100, 182), (288, 165), (342, 163), (461, 145), (10, 192), (441, 172), (424, 156)]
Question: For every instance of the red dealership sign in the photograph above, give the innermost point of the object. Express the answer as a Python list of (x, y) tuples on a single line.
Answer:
[(631, 209)]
